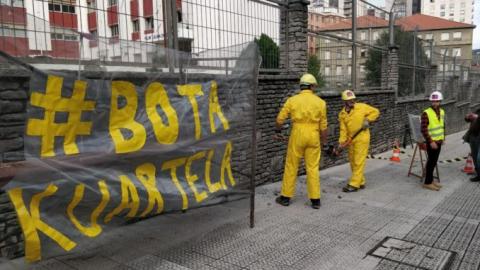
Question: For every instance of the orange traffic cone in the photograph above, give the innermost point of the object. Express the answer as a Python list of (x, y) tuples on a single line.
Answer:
[(469, 169), (396, 155), (396, 152)]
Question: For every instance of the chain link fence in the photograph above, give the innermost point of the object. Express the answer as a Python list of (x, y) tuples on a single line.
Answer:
[(131, 32), (348, 58)]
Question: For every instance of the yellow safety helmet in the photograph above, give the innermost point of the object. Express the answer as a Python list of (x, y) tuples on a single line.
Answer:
[(308, 79), (348, 95)]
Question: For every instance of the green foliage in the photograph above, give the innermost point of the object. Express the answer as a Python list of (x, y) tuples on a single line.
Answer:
[(314, 69), (269, 52)]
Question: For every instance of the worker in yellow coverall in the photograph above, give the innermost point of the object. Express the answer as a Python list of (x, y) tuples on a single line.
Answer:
[(308, 113), (355, 118)]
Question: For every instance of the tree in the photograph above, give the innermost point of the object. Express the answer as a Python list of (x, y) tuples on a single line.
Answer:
[(405, 42), (269, 51), (314, 69)]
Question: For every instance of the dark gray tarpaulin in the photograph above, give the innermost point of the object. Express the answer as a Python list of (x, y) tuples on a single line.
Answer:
[(107, 149)]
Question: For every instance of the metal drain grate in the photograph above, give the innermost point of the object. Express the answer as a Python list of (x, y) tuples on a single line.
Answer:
[(413, 254)]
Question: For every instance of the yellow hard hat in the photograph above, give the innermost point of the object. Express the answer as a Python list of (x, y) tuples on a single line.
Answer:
[(348, 95), (308, 79)]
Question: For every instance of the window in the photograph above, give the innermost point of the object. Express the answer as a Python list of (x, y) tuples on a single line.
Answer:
[(349, 70), (444, 52), (429, 36), (349, 53), (462, 12), (462, 4), (114, 30), (462, 19), (7, 31), (327, 55), (363, 52), (149, 23), (375, 36), (13, 3), (362, 68), (456, 52), (427, 53), (349, 35), (363, 35), (112, 3), (457, 35), (327, 71), (442, 13), (61, 36), (339, 70), (135, 26), (61, 8), (445, 36), (442, 6), (137, 57), (91, 4), (339, 53)]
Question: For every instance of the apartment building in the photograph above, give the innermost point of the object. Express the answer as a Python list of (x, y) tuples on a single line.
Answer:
[(129, 30)]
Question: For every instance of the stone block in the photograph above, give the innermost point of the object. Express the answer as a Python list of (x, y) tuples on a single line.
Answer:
[(19, 94)]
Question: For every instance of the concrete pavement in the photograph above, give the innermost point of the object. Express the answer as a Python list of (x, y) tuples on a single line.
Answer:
[(438, 227)]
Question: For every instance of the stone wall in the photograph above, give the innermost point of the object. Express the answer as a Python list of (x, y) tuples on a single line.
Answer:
[(13, 97)]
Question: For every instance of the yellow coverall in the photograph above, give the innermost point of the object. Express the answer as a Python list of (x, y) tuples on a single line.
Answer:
[(350, 123), (308, 113)]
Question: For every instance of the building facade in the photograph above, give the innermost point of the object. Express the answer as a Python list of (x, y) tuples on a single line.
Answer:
[(129, 31), (459, 11), (449, 39)]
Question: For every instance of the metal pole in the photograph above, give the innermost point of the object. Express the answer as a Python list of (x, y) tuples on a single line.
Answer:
[(171, 33), (414, 59), (431, 52), (254, 148), (354, 45), (391, 29), (443, 79)]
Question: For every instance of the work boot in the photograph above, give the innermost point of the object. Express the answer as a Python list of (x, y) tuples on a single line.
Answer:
[(437, 184), (431, 187), (349, 188), (285, 201), (475, 179), (362, 186), (315, 203)]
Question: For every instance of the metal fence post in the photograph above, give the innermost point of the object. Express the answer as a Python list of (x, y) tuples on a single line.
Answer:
[(414, 59), (171, 31), (354, 45)]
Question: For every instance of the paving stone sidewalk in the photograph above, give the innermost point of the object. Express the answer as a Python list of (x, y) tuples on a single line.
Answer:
[(436, 226)]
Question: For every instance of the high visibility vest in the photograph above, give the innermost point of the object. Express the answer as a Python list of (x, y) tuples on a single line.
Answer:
[(436, 127)]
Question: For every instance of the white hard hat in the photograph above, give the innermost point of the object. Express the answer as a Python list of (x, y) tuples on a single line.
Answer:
[(436, 96)]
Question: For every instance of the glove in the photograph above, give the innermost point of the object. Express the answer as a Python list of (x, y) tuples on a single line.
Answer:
[(366, 124)]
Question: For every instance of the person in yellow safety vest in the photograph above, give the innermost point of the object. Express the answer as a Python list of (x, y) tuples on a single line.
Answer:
[(433, 130), (355, 118), (308, 113)]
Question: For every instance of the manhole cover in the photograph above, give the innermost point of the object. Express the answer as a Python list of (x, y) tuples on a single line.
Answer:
[(413, 254)]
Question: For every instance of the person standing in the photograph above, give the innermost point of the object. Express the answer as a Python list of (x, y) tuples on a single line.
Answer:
[(355, 119), (473, 138), (308, 113), (433, 130)]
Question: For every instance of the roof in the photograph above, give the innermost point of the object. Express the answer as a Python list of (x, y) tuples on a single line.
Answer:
[(426, 22), (422, 21)]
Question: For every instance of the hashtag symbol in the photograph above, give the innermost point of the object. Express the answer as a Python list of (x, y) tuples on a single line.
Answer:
[(53, 102)]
